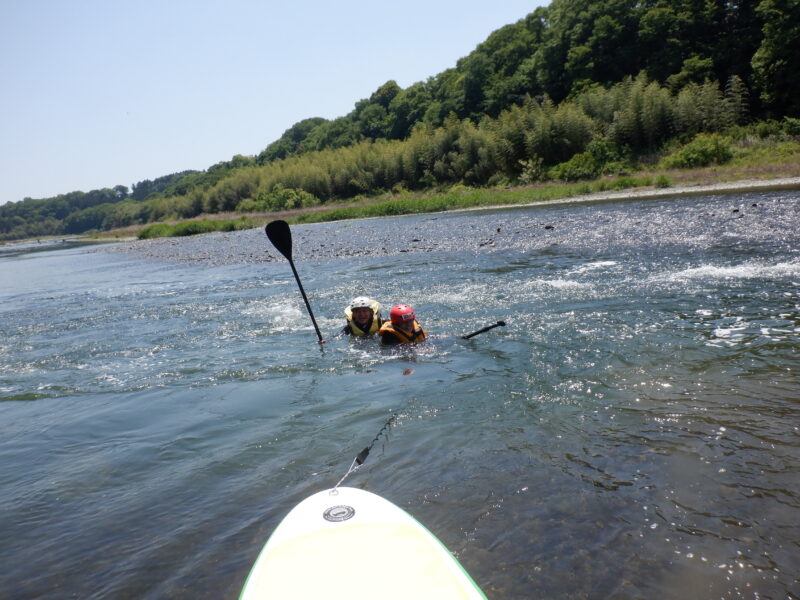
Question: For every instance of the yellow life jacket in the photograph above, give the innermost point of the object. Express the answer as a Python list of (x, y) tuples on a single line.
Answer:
[(374, 326), (406, 338)]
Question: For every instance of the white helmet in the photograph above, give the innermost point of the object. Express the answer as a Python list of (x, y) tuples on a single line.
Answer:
[(361, 302)]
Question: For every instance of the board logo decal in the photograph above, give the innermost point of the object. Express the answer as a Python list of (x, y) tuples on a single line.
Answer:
[(339, 513)]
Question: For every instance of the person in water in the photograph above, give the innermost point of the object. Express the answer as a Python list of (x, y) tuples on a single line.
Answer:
[(402, 327), (363, 317)]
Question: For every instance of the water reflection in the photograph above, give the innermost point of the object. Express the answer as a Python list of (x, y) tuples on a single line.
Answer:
[(631, 433)]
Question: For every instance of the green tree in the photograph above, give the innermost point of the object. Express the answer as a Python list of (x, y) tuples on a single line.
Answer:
[(775, 62), (384, 95), (289, 142), (407, 108), (737, 98), (477, 69), (331, 134), (660, 39), (694, 69), (373, 122)]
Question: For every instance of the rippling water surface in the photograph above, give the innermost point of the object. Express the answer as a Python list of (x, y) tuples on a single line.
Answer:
[(632, 433)]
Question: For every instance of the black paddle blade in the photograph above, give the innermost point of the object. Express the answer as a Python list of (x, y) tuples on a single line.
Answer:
[(281, 237)]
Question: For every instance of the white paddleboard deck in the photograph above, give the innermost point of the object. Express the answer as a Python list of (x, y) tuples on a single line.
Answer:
[(356, 545)]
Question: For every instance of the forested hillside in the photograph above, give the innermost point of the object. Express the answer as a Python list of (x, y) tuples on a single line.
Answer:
[(576, 89)]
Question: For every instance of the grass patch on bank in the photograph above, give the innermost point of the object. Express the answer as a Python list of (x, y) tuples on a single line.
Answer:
[(185, 228), (474, 198), (761, 155)]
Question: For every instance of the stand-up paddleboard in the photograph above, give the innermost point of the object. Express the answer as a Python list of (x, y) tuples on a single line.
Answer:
[(350, 543)]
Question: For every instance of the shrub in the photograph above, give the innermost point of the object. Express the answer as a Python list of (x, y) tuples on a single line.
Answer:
[(768, 128), (602, 157), (194, 228), (154, 231), (532, 170), (624, 183), (278, 198), (580, 166), (791, 126), (705, 149)]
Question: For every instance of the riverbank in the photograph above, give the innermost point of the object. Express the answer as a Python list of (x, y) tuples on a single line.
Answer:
[(780, 171), (432, 234), (697, 189)]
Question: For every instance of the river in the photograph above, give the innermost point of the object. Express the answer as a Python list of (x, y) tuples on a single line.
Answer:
[(633, 431)]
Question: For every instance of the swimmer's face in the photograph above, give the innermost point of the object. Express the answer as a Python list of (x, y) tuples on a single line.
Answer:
[(362, 314), (406, 325)]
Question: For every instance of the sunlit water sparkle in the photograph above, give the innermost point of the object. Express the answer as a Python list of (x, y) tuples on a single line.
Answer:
[(632, 432)]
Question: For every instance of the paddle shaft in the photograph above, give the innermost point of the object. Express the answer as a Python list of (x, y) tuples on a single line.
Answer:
[(305, 299), (483, 330), (280, 235)]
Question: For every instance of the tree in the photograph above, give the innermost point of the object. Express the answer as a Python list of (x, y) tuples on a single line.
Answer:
[(775, 62), (384, 95), (476, 69), (408, 108), (331, 134), (695, 69), (290, 141), (737, 98), (374, 122), (660, 39)]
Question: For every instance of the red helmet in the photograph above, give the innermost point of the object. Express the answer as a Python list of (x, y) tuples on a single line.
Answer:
[(401, 312)]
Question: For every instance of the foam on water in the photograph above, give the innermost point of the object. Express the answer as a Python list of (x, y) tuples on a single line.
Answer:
[(545, 285), (281, 315), (594, 266), (750, 270), (630, 433)]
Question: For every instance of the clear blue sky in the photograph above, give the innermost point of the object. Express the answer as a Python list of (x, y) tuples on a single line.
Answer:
[(97, 93)]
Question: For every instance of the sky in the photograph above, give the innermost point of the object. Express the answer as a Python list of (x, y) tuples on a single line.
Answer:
[(98, 93)]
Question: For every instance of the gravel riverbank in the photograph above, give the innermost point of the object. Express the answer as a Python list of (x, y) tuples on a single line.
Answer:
[(371, 237)]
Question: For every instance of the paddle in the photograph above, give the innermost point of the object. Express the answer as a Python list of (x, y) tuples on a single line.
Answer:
[(281, 237), (474, 333)]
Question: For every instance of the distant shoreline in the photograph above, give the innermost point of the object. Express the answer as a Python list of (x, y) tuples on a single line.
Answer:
[(681, 190), (368, 236), (734, 187)]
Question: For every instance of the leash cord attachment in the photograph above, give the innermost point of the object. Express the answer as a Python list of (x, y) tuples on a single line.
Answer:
[(362, 456)]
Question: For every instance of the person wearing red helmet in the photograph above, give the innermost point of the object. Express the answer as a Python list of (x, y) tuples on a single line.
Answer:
[(402, 327)]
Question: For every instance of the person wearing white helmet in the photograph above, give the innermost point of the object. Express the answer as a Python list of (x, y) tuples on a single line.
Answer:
[(363, 317)]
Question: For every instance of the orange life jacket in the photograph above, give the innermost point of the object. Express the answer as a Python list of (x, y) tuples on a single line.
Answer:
[(418, 334)]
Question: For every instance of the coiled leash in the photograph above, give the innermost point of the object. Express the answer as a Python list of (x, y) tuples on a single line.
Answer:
[(362, 456)]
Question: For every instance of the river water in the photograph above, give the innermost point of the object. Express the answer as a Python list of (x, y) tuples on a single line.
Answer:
[(633, 432)]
